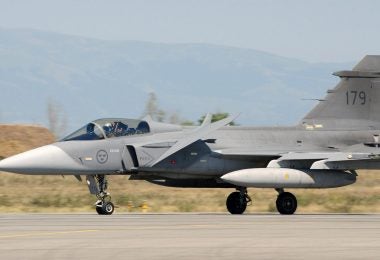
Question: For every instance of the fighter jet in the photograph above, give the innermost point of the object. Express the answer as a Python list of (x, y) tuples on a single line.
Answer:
[(324, 150)]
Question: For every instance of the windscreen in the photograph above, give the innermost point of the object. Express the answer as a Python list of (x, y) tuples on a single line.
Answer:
[(88, 132)]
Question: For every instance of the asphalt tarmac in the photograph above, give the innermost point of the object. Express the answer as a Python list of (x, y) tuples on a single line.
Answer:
[(189, 236)]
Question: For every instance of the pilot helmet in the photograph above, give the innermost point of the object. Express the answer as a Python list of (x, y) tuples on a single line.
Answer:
[(107, 128)]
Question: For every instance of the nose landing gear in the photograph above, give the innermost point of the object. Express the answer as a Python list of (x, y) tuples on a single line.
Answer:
[(98, 185), (105, 208)]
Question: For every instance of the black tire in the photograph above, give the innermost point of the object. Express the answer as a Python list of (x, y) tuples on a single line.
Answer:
[(99, 210), (236, 203), (286, 203), (108, 208)]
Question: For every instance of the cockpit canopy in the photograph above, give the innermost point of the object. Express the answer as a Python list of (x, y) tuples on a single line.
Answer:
[(109, 128)]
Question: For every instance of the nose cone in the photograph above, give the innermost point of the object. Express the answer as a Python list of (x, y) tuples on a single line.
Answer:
[(48, 159)]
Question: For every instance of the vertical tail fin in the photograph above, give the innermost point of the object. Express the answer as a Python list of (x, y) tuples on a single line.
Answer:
[(354, 102)]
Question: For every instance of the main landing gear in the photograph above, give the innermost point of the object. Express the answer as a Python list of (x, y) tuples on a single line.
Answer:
[(286, 202), (98, 185), (237, 201)]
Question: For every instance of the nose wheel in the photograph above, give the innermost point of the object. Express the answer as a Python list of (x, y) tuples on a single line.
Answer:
[(98, 185), (105, 208)]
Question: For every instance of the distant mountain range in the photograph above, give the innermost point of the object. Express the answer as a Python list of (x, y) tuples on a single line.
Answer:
[(92, 78)]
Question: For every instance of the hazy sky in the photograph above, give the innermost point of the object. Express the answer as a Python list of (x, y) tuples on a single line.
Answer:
[(319, 30)]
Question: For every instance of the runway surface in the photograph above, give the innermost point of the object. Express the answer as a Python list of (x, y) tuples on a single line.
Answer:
[(189, 236)]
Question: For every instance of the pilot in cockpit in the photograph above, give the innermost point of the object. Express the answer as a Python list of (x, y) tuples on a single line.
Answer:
[(120, 129), (115, 129), (108, 129)]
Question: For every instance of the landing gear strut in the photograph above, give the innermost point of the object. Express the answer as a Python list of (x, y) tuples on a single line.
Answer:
[(286, 202), (237, 201), (98, 185)]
